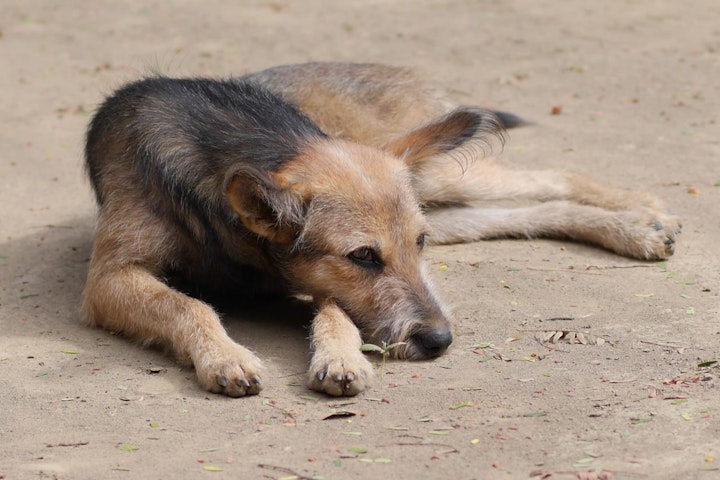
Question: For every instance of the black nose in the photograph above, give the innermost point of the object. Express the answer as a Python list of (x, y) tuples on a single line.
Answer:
[(434, 342)]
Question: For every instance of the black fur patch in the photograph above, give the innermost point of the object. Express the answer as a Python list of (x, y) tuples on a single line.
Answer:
[(177, 133)]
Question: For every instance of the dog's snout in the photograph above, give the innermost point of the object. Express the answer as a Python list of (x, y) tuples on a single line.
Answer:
[(434, 342)]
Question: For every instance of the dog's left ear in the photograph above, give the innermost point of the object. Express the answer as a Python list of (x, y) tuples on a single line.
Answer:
[(265, 205), (445, 134)]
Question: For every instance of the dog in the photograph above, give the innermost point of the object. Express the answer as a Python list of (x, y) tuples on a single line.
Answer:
[(325, 180)]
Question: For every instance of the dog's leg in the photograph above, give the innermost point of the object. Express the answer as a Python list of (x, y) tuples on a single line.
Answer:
[(459, 178), (338, 367), (634, 224), (123, 294), (633, 233)]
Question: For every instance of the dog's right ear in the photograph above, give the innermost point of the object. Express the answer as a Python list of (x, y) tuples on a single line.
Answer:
[(265, 206), (445, 134)]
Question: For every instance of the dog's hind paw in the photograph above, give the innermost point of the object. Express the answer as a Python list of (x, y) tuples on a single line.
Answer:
[(646, 234), (235, 372), (343, 375)]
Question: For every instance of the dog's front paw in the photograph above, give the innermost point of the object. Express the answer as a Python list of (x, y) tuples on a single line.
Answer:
[(338, 375), (232, 370)]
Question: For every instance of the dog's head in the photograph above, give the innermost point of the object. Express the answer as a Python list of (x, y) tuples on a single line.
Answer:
[(346, 226)]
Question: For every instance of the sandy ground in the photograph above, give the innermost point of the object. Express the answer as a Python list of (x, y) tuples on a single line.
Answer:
[(638, 84)]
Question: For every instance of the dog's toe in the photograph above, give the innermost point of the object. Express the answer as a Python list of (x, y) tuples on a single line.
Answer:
[(346, 376), (235, 372)]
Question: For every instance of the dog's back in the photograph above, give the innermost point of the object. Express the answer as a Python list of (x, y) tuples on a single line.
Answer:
[(368, 103)]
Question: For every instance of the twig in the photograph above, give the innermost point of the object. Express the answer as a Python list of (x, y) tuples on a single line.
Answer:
[(76, 444), (663, 344), (588, 269), (632, 380), (562, 270), (611, 267), (283, 470), (284, 412), (450, 448)]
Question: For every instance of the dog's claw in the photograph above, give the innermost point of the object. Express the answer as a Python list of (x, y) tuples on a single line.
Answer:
[(256, 380), (321, 376), (657, 226), (350, 376), (222, 381)]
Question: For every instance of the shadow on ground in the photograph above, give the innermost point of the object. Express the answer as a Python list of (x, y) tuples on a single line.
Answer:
[(43, 275)]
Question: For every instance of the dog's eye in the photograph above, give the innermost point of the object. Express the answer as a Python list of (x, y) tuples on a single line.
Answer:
[(421, 240), (366, 257)]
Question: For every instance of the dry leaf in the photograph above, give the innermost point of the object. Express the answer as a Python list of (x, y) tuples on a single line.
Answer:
[(569, 336)]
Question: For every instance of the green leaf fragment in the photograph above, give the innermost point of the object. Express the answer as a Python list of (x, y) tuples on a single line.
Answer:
[(534, 414), (213, 468), (369, 347), (638, 421), (455, 406), (69, 352), (438, 432), (686, 416), (709, 363), (358, 450), (690, 310), (129, 448)]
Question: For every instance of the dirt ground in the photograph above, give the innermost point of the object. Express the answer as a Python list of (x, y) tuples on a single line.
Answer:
[(637, 87)]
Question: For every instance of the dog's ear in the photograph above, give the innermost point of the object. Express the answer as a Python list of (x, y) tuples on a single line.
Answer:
[(265, 205), (445, 134)]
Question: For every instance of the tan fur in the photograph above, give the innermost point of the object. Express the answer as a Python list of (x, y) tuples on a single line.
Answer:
[(396, 166)]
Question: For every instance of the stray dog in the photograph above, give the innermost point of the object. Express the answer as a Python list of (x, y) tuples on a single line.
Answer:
[(322, 179)]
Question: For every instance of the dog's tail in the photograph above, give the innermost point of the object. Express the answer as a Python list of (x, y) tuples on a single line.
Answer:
[(509, 120)]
